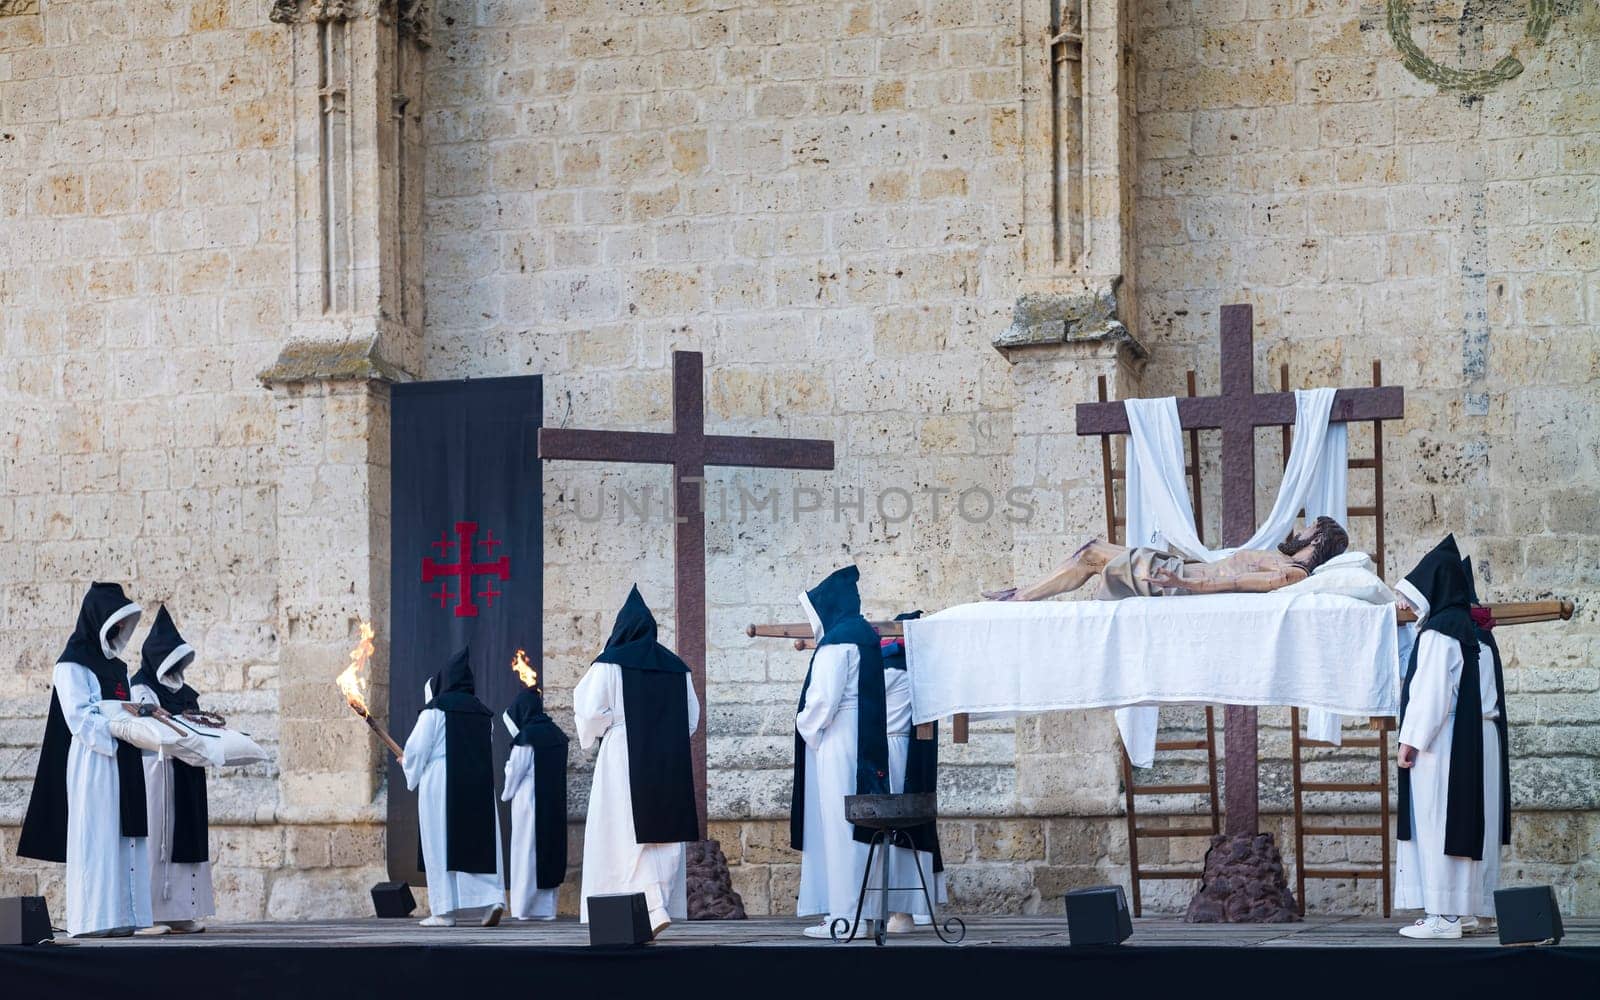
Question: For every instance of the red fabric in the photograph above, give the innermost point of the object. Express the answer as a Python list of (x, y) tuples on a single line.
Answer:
[(1482, 618)]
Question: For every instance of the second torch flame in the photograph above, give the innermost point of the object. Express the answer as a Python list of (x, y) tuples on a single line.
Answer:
[(525, 672), (353, 681)]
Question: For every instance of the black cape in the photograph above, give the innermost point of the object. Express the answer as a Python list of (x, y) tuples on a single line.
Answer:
[(1486, 637), (660, 772), (470, 842), (837, 604), (1441, 582), (531, 727), (922, 757), (44, 829), (164, 647)]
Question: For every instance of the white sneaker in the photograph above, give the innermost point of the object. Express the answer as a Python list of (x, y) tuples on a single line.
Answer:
[(1433, 928), (819, 931), (492, 915), (900, 923), (438, 922), (1469, 925), (155, 930)]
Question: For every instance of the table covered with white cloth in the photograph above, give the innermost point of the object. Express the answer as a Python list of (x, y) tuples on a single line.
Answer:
[(1311, 650)]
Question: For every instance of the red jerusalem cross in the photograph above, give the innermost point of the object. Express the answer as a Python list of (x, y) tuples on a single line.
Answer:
[(1238, 412), (688, 449), (464, 569)]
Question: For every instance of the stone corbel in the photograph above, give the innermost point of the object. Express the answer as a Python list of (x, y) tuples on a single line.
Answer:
[(414, 18), (313, 361), (1051, 319)]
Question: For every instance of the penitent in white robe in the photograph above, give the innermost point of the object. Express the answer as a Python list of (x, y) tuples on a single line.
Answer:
[(1425, 877), (832, 861), (448, 891), (902, 867), (613, 859), (179, 892), (108, 875), (528, 901)]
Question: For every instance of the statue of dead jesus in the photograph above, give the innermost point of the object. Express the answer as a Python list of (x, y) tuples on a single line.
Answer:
[(1152, 572)]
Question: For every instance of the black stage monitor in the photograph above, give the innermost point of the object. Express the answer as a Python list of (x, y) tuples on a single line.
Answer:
[(1098, 916), (619, 920), (24, 920), (1528, 915), (393, 899)]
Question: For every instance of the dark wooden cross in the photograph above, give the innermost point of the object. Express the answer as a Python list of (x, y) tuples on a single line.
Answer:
[(688, 449), (1238, 412)]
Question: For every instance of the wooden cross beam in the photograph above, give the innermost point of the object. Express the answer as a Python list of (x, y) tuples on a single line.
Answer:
[(688, 449), (1237, 412)]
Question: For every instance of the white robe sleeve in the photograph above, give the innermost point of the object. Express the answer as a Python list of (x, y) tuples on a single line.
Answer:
[(420, 745), (518, 766), (694, 704), (591, 702), (830, 674), (142, 695), (1433, 689), (78, 691)]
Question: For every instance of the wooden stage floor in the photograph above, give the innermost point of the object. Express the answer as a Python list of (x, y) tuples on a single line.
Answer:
[(991, 931)]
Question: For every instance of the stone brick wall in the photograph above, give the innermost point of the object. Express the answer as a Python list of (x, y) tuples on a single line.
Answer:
[(829, 200)]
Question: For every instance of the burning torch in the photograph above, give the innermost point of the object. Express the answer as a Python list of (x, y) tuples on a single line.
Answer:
[(353, 682)]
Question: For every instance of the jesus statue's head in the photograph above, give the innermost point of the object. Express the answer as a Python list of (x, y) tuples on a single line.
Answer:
[(1314, 545)]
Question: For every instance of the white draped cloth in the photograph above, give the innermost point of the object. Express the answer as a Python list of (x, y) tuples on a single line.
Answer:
[(1324, 650), (613, 859), (1161, 515), (179, 891), (528, 901), (448, 891), (108, 875), (1425, 877), (903, 861)]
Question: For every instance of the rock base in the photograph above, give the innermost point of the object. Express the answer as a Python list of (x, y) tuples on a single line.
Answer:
[(1243, 883), (711, 895)]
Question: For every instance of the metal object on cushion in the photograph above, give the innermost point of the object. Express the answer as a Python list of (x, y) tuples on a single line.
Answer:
[(891, 812)]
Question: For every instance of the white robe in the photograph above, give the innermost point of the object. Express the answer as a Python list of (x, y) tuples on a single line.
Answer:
[(528, 901), (108, 875), (1425, 877), (178, 891), (448, 891), (613, 860), (903, 862), (832, 861)]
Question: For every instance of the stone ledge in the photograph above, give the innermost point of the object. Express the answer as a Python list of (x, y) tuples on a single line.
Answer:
[(317, 361), (1048, 319)]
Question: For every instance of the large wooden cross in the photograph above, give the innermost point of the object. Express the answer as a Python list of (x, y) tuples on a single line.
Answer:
[(688, 449), (1238, 411)]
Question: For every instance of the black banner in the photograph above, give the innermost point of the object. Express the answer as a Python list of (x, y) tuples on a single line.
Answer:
[(467, 550)]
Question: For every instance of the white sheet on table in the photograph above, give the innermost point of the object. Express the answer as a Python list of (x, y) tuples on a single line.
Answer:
[(1002, 658), (1161, 514)]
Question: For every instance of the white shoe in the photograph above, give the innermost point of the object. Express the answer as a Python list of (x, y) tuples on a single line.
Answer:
[(1433, 928), (1469, 925), (492, 915), (438, 922), (900, 923), (155, 930), (819, 931)]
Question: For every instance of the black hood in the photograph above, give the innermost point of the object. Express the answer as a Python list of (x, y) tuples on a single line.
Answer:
[(457, 683), (836, 599), (164, 657), (528, 722), (1439, 580), (104, 606), (633, 644)]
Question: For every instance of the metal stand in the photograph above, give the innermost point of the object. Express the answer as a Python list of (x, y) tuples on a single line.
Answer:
[(951, 932)]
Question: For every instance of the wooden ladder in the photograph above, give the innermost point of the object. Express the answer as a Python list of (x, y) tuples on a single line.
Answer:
[(1302, 829), (1207, 787)]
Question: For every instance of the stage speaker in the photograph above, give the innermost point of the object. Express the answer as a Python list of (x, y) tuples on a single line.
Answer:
[(393, 899), (1098, 916), (24, 920), (1528, 915), (619, 919)]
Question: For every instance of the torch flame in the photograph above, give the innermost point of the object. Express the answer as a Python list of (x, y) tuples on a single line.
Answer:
[(353, 681), (525, 672)]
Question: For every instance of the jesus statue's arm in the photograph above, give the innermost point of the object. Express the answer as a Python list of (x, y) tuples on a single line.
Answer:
[(1255, 582)]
